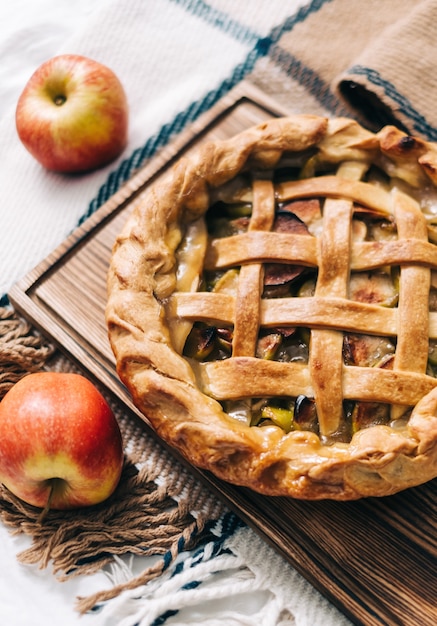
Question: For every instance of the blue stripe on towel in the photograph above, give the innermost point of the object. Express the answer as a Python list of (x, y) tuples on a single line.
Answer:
[(223, 529), (309, 79), (261, 47), (419, 122), (159, 621), (220, 20)]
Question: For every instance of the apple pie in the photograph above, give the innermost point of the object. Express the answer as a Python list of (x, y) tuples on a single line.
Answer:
[(272, 308)]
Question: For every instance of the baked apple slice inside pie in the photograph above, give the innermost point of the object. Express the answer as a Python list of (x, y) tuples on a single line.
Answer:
[(272, 308)]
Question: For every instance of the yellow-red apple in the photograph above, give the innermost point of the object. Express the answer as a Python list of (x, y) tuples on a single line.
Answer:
[(72, 115), (60, 443)]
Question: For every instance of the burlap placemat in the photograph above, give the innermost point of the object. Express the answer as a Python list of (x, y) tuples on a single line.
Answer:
[(157, 509)]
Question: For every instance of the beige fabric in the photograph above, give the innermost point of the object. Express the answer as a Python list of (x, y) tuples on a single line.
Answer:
[(371, 60)]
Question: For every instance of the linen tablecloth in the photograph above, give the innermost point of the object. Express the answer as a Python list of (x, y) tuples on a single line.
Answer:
[(374, 61)]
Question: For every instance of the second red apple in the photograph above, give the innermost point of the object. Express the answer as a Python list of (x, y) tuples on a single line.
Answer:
[(60, 443)]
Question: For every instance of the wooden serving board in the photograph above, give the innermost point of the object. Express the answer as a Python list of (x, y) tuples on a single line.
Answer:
[(375, 559)]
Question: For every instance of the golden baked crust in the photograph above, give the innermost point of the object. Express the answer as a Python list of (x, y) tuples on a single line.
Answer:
[(374, 424)]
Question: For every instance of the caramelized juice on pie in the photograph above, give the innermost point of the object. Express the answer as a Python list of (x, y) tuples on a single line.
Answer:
[(284, 206)]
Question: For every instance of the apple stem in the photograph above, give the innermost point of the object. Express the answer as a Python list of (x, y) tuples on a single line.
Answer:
[(46, 509)]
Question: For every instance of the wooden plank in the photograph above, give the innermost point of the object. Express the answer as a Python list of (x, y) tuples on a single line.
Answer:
[(375, 559)]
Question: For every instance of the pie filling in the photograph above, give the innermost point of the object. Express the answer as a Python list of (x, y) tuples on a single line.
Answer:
[(233, 238)]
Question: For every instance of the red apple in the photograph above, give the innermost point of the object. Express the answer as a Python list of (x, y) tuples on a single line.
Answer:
[(72, 115), (60, 443)]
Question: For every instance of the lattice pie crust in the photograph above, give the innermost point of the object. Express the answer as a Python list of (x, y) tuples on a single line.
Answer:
[(272, 308)]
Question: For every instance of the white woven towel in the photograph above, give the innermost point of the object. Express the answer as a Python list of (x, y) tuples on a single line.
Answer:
[(247, 584), (169, 56)]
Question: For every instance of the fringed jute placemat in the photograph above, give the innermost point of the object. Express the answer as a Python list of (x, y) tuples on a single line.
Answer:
[(158, 509), (21, 350)]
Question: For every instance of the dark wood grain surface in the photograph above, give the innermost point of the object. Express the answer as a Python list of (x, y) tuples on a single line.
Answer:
[(375, 559)]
